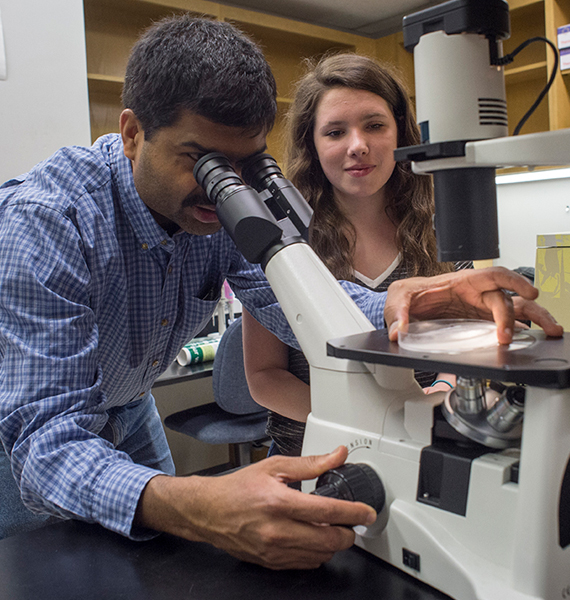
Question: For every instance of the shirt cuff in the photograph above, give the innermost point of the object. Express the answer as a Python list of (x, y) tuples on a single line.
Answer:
[(116, 494)]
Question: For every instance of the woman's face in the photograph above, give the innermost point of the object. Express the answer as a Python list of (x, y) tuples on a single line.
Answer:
[(355, 136)]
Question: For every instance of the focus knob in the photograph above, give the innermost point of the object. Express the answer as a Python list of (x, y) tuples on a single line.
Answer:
[(354, 482)]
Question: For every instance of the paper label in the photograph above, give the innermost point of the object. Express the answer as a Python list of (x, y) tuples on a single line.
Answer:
[(197, 351), (564, 37), (565, 59)]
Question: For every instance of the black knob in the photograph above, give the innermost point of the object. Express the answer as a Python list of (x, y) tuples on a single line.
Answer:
[(354, 482), (516, 394)]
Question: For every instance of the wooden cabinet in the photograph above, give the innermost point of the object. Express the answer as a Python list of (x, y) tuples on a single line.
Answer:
[(557, 14), (111, 29), (527, 76), (112, 26)]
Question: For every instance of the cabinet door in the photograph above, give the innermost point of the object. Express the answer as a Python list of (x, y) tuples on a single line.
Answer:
[(112, 27), (557, 14)]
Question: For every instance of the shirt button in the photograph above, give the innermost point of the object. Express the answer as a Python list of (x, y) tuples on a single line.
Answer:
[(164, 322), (144, 246), (164, 242), (155, 363), (141, 394), (169, 270)]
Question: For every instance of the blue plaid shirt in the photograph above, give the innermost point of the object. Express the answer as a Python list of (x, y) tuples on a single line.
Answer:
[(96, 300)]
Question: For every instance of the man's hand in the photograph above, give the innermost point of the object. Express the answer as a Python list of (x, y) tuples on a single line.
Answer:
[(252, 513), (468, 294)]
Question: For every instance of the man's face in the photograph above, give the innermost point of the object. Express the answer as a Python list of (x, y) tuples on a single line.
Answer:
[(163, 165)]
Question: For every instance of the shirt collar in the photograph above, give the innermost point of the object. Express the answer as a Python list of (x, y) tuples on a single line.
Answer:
[(148, 232)]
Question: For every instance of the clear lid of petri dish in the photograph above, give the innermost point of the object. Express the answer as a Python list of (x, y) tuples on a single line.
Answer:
[(449, 336)]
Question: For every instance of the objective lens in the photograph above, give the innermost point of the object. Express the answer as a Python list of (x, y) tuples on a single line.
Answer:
[(469, 396), (508, 411)]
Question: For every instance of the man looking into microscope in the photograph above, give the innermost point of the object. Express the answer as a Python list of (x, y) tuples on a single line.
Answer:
[(112, 258)]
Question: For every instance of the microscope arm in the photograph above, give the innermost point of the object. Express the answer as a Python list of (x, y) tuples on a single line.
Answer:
[(269, 225), (314, 303)]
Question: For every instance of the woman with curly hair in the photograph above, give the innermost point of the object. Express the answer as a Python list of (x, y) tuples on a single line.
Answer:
[(372, 220)]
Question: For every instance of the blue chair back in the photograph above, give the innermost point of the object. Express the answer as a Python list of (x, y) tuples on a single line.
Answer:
[(228, 376)]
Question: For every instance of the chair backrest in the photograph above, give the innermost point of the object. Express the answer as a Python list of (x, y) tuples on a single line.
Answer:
[(228, 376)]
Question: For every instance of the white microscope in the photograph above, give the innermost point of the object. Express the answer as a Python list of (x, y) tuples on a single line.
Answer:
[(472, 487)]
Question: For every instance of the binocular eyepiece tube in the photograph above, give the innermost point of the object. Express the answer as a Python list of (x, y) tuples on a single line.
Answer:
[(244, 210), (260, 170), (215, 174)]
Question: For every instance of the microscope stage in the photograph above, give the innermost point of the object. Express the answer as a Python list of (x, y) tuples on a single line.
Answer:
[(543, 363)]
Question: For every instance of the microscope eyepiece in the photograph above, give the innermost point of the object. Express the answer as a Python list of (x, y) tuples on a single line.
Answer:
[(259, 170), (241, 209), (215, 174), (263, 174)]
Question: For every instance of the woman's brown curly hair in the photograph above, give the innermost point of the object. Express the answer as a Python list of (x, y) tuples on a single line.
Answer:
[(410, 197)]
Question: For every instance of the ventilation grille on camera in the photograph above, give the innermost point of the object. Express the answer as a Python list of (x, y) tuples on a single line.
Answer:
[(493, 111)]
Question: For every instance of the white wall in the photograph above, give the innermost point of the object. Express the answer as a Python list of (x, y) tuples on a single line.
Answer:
[(43, 101), (526, 210)]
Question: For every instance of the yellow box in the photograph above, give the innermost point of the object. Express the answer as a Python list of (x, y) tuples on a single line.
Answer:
[(552, 275)]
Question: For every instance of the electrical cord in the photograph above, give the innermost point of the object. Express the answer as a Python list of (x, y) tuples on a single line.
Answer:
[(508, 58)]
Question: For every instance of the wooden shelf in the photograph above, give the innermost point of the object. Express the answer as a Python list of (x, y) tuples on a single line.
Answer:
[(105, 84), (104, 103), (515, 4), (287, 51), (526, 73), (111, 29), (557, 14), (527, 22), (112, 26), (105, 78)]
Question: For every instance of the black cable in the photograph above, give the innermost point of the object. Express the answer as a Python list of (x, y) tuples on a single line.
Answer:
[(505, 60)]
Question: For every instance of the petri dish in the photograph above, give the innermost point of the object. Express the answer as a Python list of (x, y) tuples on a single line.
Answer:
[(448, 336)]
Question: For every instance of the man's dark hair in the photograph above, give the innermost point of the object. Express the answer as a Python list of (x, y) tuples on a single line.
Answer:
[(208, 67)]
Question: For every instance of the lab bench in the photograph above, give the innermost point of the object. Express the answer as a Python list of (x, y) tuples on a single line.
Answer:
[(73, 560)]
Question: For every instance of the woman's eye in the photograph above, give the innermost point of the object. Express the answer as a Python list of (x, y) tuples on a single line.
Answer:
[(335, 133)]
